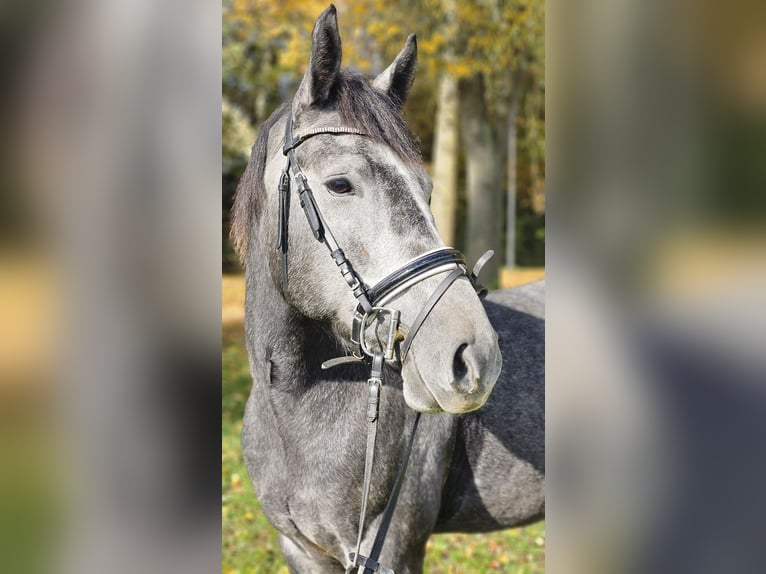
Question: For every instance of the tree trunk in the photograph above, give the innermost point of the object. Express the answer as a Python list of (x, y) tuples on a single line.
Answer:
[(510, 233), (484, 173), (445, 154)]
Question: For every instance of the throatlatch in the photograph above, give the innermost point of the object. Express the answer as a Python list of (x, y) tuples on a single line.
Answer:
[(371, 304)]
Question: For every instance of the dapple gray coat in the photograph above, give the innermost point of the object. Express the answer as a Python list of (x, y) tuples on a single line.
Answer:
[(304, 431)]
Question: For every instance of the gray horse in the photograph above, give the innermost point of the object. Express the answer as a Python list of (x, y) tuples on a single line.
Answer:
[(477, 462)]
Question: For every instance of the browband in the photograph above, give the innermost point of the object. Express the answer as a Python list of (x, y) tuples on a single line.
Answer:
[(294, 142)]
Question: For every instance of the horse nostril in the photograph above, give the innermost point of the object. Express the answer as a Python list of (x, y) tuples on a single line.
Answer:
[(461, 372), (459, 368)]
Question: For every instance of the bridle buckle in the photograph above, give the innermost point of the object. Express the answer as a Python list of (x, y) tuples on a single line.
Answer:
[(393, 330)]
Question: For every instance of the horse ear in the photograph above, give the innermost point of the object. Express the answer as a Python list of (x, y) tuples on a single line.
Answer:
[(324, 64), (396, 80)]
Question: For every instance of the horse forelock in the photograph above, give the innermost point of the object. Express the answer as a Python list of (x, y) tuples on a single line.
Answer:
[(363, 107), (360, 106)]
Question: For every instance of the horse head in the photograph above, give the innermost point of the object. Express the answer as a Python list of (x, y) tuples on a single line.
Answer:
[(371, 194)]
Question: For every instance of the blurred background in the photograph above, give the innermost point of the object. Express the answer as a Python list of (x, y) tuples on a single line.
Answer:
[(478, 108), (110, 286), (656, 286), (111, 259)]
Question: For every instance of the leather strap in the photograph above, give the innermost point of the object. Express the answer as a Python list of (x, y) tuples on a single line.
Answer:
[(437, 294), (345, 360), (431, 260), (388, 513), (428, 307), (373, 402), (480, 289), (369, 564), (295, 141)]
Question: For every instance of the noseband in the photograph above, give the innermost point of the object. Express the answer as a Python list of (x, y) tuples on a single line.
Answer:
[(371, 304)]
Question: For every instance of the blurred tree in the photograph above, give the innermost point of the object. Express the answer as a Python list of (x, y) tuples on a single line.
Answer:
[(265, 49), (484, 170), (444, 198), (503, 59)]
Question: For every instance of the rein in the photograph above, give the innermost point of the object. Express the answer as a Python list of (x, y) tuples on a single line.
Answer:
[(371, 304)]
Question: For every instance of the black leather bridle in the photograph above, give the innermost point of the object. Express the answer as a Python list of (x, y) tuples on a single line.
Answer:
[(371, 304)]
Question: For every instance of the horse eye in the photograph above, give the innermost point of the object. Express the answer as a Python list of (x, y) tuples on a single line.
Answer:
[(339, 185)]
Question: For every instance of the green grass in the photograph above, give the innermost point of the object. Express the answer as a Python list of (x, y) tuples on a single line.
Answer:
[(250, 543)]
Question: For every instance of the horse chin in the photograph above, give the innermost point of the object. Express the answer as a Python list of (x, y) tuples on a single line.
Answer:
[(419, 396), (416, 394)]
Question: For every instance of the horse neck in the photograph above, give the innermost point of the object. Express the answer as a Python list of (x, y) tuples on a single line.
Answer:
[(279, 336)]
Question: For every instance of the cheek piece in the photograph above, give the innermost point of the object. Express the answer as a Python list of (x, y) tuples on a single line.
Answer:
[(371, 306)]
